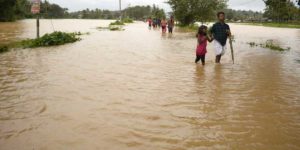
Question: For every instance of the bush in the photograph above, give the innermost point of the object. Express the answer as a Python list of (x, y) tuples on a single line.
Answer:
[(270, 45), (3, 49), (127, 20), (114, 28), (55, 38), (120, 23)]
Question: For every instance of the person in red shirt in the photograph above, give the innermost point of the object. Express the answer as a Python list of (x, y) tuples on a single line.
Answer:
[(202, 44), (150, 23)]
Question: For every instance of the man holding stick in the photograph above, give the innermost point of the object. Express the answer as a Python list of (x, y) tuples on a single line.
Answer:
[(220, 32)]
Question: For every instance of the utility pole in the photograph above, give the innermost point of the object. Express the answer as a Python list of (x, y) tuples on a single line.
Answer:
[(120, 9), (35, 9), (38, 26)]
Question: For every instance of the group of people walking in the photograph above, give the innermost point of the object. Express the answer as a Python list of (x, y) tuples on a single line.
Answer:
[(162, 23), (219, 33)]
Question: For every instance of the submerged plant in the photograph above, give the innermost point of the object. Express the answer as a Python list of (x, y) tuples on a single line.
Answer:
[(127, 20), (55, 38), (120, 23), (252, 44), (270, 44), (3, 49), (115, 28)]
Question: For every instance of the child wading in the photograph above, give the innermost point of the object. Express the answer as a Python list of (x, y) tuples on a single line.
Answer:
[(202, 44), (220, 32)]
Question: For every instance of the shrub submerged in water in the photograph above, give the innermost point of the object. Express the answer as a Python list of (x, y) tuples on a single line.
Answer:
[(55, 38), (3, 49), (120, 23), (127, 20), (270, 44)]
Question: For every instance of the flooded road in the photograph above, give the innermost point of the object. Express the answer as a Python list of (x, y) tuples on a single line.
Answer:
[(140, 90)]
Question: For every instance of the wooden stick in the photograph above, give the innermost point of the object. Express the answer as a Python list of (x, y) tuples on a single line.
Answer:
[(231, 47)]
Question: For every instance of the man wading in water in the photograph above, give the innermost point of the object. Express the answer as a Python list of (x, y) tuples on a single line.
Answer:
[(171, 24), (220, 32)]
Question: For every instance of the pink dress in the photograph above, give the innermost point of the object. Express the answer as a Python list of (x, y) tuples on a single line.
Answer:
[(201, 48)]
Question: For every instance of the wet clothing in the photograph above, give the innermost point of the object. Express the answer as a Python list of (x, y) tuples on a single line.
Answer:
[(219, 32), (170, 29), (201, 48), (171, 24), (164, 26), (218, 58), (164, 29), (219, 48), (202, 58), (150, 22), (159, 22)]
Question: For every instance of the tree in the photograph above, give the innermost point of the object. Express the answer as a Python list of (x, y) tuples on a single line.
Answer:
[(242, 15), (143, 12), (11, 10), (156, 12), (138, 12), (190, 11), (49, 10), (281, 10)]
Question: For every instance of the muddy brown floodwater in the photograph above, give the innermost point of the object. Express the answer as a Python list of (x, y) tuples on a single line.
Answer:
[(140, 90)]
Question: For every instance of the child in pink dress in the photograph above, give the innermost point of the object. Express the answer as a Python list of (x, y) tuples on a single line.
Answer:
[(202, 44)]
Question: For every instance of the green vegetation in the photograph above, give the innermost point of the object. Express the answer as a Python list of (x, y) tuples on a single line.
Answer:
[(3, 49), (135, 12), (188, 12), (127, 20), (10, 10), (276, 25), (120, 23), (273, 46), (188, 28), (53, 39), (282, 10), (243, 16), (114, 26), (270, 44), (49, 10), (144, 12), (285, 12)]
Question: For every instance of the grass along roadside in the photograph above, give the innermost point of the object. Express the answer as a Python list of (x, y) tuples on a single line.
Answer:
[(188, 28), (276, 25)]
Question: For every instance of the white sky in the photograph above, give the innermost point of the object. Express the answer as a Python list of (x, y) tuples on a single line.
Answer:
[(74, 5)]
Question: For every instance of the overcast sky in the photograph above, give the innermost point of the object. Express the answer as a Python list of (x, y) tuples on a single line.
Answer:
[(74, 5)]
